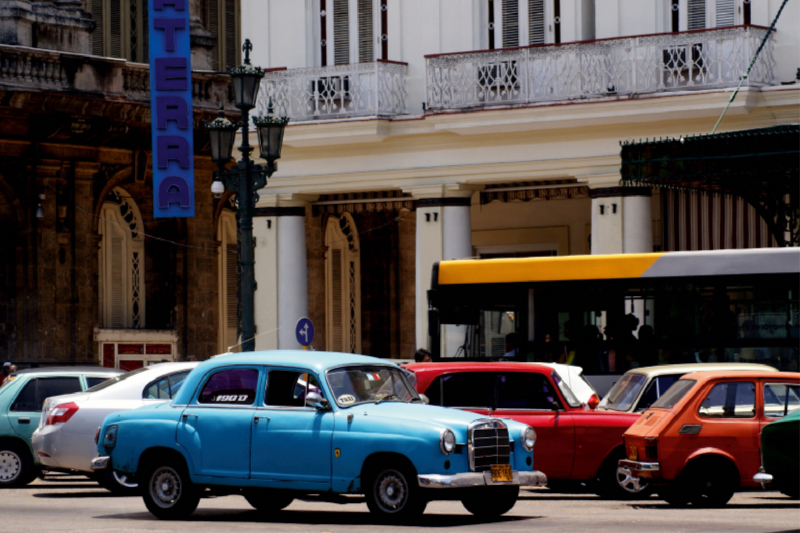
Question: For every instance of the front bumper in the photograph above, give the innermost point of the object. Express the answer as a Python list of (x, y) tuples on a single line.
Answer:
[(480, 479), (101, 463), (641, 469)]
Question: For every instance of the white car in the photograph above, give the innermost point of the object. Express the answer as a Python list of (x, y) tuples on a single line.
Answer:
[(66, 437), (577, 382)]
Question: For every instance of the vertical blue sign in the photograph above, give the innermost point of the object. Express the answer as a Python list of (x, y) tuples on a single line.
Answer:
[(171, 108)]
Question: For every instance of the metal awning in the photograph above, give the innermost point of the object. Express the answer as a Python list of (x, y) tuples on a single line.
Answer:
[(762, 166)]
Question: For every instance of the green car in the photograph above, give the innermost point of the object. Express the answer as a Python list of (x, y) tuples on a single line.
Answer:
[(780, 455), (21, 400)]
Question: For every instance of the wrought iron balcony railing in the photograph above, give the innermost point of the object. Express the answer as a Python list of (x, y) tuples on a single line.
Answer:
[(694, 60), (343, 91)]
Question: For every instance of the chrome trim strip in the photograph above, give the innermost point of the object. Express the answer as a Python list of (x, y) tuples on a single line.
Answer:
[(640, 466), (101, 463)]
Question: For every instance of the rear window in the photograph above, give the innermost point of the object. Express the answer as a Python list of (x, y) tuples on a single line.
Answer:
[(625, 391), (674, 394), (116, 379)]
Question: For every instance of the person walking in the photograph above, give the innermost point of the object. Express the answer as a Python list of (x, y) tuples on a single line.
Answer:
[(7, 369)]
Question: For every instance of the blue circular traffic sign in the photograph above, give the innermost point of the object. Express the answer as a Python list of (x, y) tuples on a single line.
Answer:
[(304, 331)]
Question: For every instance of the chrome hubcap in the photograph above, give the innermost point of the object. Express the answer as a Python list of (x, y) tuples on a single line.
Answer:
[(10, 466), (165, 487), (392, 493), (629, 482)]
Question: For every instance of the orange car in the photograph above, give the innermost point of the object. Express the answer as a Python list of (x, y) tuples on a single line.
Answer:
[(699, 442)]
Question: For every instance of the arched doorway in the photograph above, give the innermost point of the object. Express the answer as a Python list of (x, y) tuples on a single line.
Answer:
[(342, 285)]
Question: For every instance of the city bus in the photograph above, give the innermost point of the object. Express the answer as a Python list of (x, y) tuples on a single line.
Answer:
[(611, 313)]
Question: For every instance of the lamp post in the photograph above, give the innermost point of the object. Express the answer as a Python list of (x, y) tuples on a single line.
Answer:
[(246, 177)]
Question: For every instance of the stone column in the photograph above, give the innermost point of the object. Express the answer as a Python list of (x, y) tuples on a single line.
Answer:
[(621, 220), (281, 271), (202, 41), (444, 232)]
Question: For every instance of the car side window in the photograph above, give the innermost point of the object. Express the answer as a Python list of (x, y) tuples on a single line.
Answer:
[(37, 390), (165, 388), (780, 399), (92, 381), (523, 390), (236, 386), (467, 389), (730, 400), (655, 390), (289, 388)]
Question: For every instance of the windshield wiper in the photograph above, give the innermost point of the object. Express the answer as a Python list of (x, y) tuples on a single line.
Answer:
[(387, 397)]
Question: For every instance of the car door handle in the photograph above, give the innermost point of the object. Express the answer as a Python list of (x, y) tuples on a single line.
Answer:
[(186, 417), (257, 418), (24, 420)]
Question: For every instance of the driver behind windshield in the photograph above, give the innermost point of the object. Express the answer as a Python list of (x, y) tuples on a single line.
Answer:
[(352, 385)]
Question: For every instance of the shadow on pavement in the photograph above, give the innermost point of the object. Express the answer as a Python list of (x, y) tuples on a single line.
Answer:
[(661, 505), (101, 493), (321, 518)]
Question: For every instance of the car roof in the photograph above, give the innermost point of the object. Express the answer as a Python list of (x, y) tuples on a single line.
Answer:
[(702, 377), (68, 370), (473, 366), (319, 361), (686, 368)]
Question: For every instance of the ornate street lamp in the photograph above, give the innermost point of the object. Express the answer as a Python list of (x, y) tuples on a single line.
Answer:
[(246, 178)]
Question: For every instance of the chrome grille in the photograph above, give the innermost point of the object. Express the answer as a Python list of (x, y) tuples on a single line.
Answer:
[(488, 445)]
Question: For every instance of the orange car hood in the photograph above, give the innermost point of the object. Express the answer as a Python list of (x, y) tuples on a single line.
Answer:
[(649, 424)]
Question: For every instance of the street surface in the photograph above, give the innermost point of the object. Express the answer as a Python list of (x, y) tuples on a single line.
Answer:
[(74, 504)]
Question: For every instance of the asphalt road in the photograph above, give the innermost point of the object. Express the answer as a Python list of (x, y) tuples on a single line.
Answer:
[(68, 504)]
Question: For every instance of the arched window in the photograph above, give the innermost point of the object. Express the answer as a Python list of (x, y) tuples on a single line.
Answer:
[(228, 282), (121, 263), (342, 286)]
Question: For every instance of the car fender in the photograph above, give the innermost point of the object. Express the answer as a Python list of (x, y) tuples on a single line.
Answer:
[(707, 452), (135, 437)]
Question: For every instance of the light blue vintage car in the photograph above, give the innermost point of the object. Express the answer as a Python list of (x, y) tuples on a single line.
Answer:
[(274, 426)]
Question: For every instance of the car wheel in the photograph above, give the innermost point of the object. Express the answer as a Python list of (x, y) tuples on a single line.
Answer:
[(675, 495), (169, 493), (393, 493), (711, 485), (791, 492), (16, 466), (615, 483), (266, 500), (491, 502), (118, 483)]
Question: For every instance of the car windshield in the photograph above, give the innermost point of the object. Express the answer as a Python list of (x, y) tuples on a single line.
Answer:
[(116, 379), (625, 391), (674, 394), (373, 383), (569, 396)]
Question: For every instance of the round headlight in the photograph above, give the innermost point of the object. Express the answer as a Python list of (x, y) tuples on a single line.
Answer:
[(528, 438), (110, 438), (447, 442)]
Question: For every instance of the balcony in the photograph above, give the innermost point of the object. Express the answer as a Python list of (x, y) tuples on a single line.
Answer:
[(647, 64), (343, 91), (50, 71)]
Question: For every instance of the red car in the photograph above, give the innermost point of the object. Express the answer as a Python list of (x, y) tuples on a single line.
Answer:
[(573, 444)]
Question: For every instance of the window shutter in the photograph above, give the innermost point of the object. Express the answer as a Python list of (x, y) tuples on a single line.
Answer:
[(726, 13), (341, 32), (134, 32), (115, 29), (696, 14), (232, 295), (366, 42), (97, 35), (336, 297), (117, 280), (101, 269), (510, 23), (212, 25), (145, 32), (231, 42), (535, 21)]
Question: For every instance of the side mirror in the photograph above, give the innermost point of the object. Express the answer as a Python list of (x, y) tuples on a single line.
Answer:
[(424, 399), (316, 401)]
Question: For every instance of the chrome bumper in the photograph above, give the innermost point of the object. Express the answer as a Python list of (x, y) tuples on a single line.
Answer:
[(639, 466), (762, 478), (101, 463), (480, 479)]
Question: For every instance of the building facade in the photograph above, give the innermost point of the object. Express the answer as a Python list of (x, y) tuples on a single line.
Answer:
[(429, 130), (88, 274)]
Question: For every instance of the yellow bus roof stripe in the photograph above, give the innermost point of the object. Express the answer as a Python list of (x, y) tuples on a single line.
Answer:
[(576, 267)]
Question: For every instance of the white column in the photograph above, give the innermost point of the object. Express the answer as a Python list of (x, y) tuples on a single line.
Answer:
[(444, 232), (281, 272), (621, 220)]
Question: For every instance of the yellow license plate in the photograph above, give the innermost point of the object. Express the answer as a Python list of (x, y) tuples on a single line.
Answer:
[(502, 473), (633, 452)]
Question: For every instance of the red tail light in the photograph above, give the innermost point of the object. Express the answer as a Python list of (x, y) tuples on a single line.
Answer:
[(593, 402), (97, 436), (61, 413), (651, 447)]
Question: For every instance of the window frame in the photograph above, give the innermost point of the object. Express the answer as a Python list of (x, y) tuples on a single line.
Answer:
[(353, 33), (212, 372), (168, 377), (35, 381), (764, 385), (716, 384), (263, 404)]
